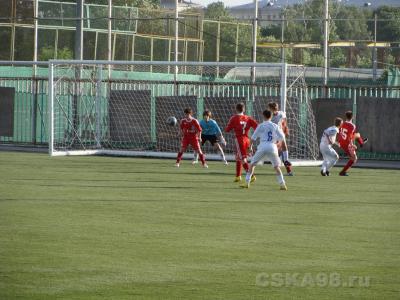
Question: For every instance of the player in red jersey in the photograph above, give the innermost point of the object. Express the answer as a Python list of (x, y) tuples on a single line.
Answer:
[(241, 124), (191, 132), (347, 134)]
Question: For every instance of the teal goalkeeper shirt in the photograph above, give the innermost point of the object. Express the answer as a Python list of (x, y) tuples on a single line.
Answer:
[(210, 128)]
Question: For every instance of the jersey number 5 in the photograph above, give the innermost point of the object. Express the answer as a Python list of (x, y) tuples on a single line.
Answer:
[(343, 133)]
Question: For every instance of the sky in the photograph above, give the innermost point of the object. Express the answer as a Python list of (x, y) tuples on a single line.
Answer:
[(226, 2)]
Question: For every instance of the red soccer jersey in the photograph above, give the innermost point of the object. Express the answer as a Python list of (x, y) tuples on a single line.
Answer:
[(346, 133), (190, 128), (241, 125)]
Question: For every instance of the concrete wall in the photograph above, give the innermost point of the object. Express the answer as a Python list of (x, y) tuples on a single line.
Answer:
[(129, 117), (7, 111), (379, 120), (375, 118), (326, 110)]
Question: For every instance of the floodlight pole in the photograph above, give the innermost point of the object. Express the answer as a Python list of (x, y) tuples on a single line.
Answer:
[(374, 58), (254, 55), (35, 59), (79, 30), (176, 39), (326, 39), (35, 47), (109, 45), (283, 54)]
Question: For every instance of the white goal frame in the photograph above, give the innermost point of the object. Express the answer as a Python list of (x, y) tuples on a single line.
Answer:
[(52, 81)]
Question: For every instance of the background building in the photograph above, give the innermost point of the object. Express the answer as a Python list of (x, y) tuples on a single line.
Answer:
[(183, 5)]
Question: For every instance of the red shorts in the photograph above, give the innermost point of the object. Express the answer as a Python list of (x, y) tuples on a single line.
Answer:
[(194, 142), (349, 149), (242, 147)]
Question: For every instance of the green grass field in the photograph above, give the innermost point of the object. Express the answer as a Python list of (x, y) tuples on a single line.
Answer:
[(124, 228)]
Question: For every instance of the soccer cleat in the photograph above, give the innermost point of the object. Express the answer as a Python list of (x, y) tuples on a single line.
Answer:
[(225, 162), (177, 165), (205, 166), (343, 174), (289, 173), (287, 163), (327, 173), (238, 179), (253, 178), (283, 187), (323, 173), (195, 162), (364, 142), (245, 185)]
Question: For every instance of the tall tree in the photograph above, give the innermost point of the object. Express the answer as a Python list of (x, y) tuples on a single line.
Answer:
[(217, 11), (389, 28)]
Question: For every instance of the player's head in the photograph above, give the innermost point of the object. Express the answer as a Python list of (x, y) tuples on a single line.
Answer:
[(188, 111), (338, 122), (240, 107), (267, 114), (207, 114), (273, 106), (349, 115)]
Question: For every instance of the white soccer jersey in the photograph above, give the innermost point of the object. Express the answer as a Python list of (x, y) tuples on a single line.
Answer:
[(278, 118), (329, 136), (268, 133)]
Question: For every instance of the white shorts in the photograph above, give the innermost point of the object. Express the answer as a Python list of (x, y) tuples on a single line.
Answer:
[(328, 153), (267, 152)]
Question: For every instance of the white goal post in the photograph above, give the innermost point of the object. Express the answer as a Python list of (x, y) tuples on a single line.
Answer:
[(120, 107)]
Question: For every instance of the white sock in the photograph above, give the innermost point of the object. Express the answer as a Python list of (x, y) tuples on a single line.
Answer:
[(195, 156), (280, 179), (324, 166), (223, 155), (330, 164), (248, 177), (285, 155)]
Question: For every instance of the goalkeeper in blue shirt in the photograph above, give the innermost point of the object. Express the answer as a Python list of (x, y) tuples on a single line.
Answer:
[(212, 133)]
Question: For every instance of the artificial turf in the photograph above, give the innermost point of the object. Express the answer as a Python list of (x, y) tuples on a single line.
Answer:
[(125, 228)]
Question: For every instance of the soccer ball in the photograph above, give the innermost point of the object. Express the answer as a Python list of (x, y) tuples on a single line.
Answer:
[(172, 121)]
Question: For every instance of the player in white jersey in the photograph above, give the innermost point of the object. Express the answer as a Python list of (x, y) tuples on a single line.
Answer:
[(279, 118), (269, 134), (328, 153)]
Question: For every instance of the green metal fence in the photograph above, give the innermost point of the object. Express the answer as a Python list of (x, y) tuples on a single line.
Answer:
[(30, 124)]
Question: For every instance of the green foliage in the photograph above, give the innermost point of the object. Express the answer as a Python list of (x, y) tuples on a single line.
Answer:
[(228, 34), (390, 30), (217, 11), (48, 52), (348, 23)]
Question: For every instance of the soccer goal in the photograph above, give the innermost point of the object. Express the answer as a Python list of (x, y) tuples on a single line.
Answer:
[(121, 108)]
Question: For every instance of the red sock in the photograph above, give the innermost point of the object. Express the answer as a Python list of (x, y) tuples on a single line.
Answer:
[(238, 168), (246, 166), (360, 141), (348, 165), (202, 158), (179, 157), (288, 169)]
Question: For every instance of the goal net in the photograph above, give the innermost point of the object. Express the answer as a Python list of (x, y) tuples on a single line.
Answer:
[(122, 108)]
